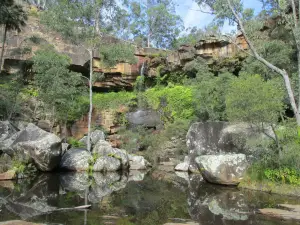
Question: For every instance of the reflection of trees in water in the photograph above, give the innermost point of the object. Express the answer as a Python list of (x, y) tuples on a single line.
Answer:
[(152, 201), (148, 201)]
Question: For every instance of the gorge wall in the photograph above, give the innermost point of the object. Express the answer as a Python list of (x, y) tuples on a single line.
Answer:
[(20, 47)]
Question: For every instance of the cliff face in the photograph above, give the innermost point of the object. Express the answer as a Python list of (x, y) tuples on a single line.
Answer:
[(21, 47)]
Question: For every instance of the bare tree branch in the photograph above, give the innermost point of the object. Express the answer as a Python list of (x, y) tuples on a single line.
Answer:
[(294, 13), (281, 72), (200, 10)]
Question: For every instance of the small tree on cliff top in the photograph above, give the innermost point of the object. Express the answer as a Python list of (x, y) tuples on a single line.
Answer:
[(12, 17), (155, 21), (233, 11), (89, 24)]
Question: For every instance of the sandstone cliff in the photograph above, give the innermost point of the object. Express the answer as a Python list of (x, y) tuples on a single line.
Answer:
[(20, 47)]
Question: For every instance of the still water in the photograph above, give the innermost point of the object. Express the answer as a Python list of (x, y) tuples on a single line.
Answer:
[(133, 199)]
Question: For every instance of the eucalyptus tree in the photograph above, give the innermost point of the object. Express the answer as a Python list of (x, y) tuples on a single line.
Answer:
[(234, 12), (12, 17), (65, 87), (155, 21), (92, 25)]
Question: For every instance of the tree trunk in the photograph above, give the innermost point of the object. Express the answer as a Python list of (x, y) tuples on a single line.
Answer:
[(2, 51), (97, 25), (91, 101), (148, 40), (281, 72)]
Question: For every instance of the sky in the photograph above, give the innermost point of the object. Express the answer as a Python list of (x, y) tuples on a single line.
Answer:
[(187, 9)]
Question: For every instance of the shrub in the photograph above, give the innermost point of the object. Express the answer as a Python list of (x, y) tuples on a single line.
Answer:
[(75, 143), (284, 175), (114, 100), (209, 97), (251, 99), (173, 102)]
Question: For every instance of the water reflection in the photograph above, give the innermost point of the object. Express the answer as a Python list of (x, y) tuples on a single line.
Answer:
[(133, 199)]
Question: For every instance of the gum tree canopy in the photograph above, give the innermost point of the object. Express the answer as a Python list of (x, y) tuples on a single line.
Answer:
[(155, 21), (287, 10)]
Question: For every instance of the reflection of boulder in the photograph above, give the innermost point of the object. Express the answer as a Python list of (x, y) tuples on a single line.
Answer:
[(35, 200), (223, 169), (105, 184), (18, 222), (213, 204), (74, 181), (29, 209), (76, 159), (136, 175)]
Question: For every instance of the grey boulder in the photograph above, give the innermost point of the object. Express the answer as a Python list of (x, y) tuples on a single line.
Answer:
[(95, 137), (103, 148), (138, 162), (34, 143), (76, 159), (6, 130), (226, 169), (107, 163), (184, 166)]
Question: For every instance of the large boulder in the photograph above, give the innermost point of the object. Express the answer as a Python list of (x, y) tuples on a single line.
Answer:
[(213, 138), (107, 164), (103, 148), (226, 169), (145, 118), (138, 163), (95, 136), (203, 138), (219, 138), (76, 159), (6, 130), (42, 147)]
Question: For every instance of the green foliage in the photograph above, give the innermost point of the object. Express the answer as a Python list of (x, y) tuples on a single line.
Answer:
[(23, 167), (114, 100), (63, 93), (173, 102), (154, 22), (12, 15), (33, 11), (193, 34), (251, 99), (177, 77), (209, 97), (120, 52), (285, 175), (19, 167), (10, 99), (75, 143), (92, 161)]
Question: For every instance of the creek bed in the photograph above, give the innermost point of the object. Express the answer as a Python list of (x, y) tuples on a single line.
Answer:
[(134, 199)]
